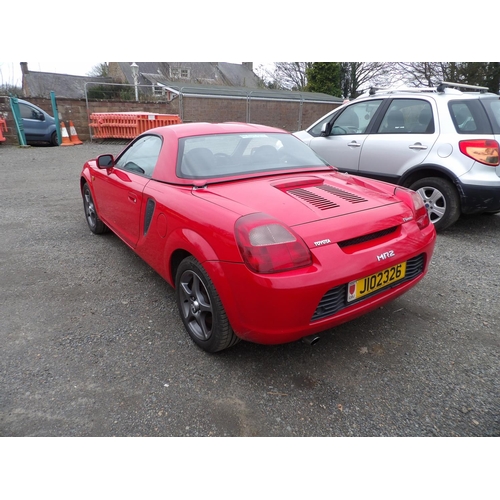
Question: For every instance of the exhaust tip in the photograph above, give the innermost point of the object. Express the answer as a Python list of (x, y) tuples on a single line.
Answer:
[(311, 339)]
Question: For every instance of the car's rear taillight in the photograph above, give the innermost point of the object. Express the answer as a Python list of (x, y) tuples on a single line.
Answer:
[(269, 246), (415, 202), (482, 150)]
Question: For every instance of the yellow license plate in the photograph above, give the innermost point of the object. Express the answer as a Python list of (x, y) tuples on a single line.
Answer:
[(361, 288)]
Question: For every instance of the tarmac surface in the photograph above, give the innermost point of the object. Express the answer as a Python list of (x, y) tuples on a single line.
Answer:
[(92, 344)]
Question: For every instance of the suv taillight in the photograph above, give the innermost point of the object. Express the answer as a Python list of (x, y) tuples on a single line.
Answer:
[(269, 246), (482, 150)]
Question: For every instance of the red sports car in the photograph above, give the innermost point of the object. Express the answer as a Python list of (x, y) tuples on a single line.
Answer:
[(260, 238)]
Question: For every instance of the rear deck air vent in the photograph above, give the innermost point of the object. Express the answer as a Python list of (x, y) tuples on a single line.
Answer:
[(345, 195), (313, 198)]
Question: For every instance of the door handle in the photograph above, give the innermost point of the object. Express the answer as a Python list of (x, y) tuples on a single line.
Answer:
[(354, 144), (418, 146), (132, 198)]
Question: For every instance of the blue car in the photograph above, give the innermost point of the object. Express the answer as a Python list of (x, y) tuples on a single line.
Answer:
[(38, 125)]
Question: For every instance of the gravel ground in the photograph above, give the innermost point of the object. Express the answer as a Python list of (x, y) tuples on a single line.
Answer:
[(92, 344)]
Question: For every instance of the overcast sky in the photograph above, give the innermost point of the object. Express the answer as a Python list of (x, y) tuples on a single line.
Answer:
[(335, 32), (10, 72)]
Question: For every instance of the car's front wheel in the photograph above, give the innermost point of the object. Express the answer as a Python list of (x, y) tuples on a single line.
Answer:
[(95, 224), (441, 200), (201, 309), (54, 141)]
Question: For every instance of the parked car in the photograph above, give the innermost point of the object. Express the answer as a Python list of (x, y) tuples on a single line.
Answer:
[(38, 125), (441, 142), (261, 239)]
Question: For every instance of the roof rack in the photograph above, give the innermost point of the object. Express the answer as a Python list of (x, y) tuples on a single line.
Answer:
[(388, 90), (443, 85), (440, 88)]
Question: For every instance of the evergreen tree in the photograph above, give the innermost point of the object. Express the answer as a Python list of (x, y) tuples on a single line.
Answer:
[(324, 77)]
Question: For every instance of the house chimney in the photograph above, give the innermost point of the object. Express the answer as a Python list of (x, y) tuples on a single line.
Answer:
[(248, 65), (24, 68)]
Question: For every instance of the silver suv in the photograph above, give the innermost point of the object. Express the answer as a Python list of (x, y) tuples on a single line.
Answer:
[(441, 142)]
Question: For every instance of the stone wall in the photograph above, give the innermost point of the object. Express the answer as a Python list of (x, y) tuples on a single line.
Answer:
[(287, 115)]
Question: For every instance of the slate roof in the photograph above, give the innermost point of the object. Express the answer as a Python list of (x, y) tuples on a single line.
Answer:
[(208, 73), (40, 84)]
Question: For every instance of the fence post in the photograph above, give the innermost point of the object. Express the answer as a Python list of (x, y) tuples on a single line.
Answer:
[(14, 105), (56, 116)]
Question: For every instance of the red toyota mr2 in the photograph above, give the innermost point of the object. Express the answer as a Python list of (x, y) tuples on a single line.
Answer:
[(261, 239)]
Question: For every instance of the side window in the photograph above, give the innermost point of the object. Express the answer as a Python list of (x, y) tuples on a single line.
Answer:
[(141, 156), (469, 117), (462, 117), (355, 118), (316, 130), (28, 112), (408, 116)]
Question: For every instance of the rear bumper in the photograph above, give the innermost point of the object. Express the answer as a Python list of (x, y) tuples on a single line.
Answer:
[(283, 307), (478, 199)]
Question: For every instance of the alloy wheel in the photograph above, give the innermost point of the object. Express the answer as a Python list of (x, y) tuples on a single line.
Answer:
[(434, 202), (196, 306), (90, 212)]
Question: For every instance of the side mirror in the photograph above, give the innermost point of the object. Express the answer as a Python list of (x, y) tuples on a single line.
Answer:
[(326, 129), (41, 117), (105, 161)]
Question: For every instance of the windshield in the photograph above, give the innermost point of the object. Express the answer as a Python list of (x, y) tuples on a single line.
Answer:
[(226, 155)]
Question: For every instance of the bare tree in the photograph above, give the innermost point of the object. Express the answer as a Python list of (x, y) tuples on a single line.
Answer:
[(100, 69), (284, 75), (357, 77), (420, 74), (430, 74)]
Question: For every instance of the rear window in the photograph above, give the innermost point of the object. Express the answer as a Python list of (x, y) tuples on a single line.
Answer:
[(226, 155), (492, 107), (469, 117)]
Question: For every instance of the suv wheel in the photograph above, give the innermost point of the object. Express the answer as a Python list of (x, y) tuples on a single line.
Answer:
[(441, 200)]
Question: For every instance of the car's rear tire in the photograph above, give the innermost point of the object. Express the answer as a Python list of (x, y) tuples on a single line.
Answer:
[(441, 200), (201, 309), (95, 224)]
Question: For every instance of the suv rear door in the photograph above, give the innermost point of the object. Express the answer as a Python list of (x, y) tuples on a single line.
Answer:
[(401, 138)]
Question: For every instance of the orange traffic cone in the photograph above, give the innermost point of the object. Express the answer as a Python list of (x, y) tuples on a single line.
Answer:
[(3, 125), (73, 136), (65, 137)]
